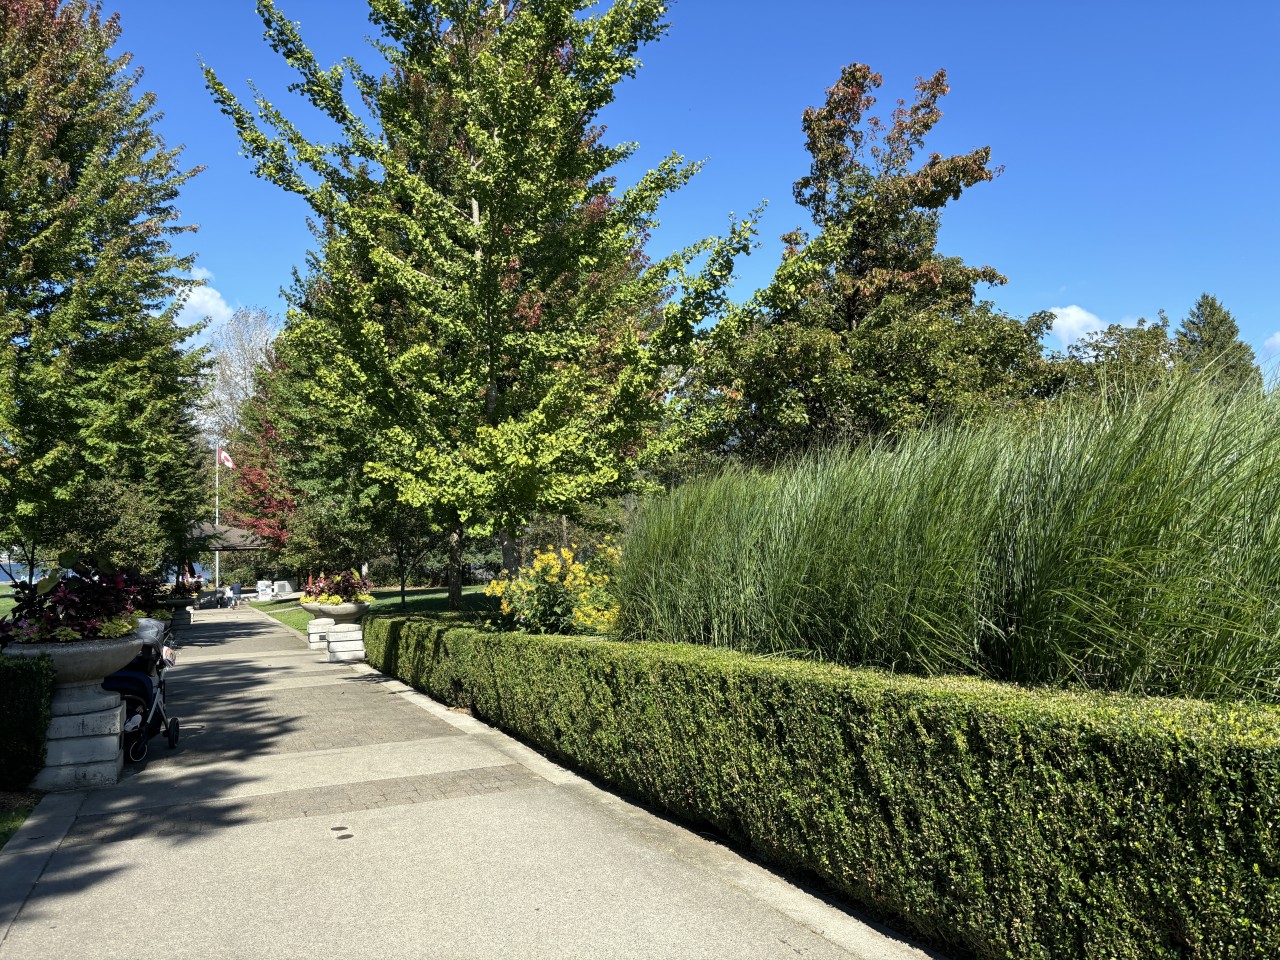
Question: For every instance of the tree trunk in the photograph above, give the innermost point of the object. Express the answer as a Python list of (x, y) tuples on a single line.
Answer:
[(510, 552), (564, 532), (457, 538), (404, 580)]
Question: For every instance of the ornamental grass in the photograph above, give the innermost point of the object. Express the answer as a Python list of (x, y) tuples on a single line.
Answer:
[(1128, 544)]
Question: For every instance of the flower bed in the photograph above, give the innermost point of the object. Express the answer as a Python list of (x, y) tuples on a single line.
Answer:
[(346, 587)]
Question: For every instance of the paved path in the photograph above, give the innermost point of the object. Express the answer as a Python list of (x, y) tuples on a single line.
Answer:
[(315, 810)]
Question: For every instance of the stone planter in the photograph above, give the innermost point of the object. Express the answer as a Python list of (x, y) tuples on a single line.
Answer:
[(85, 661), (343, 612), (182, 608), (310, 607), (84, 748)]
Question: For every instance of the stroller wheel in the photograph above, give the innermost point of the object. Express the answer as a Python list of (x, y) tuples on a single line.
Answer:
[(138, 750), (171, 732)]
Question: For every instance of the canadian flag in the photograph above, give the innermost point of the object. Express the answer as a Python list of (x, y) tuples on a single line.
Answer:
[(225, 458)]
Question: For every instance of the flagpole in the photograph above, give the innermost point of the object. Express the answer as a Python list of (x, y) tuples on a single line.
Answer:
[(217, 514)]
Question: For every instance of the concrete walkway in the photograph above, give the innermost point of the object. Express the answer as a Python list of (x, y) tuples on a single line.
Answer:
[(315, 810)]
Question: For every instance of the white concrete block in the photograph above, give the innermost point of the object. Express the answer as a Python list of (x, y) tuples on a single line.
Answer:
[(345, 631), (80, 776), (75, 699), (318, 632), (344, 645), (98, 724), (348, 656), (82, 750)]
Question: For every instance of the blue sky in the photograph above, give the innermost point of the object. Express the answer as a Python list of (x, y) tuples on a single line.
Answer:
[(1139, 139)]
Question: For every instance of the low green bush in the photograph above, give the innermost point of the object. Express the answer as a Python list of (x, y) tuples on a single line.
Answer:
[(26, 692), (994, 820)]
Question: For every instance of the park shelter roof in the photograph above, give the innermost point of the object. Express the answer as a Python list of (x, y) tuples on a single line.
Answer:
[(223, 537)]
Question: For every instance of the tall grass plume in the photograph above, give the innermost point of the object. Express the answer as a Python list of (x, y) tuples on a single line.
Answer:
[(1129, 545)]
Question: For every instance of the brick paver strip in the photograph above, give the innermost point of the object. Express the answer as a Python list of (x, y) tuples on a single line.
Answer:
[(188, 819)]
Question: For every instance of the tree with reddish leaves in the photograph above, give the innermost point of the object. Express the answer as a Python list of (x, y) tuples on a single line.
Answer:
[(300, 482), (260, 496), (879, 217), (260, 501), (865, 329)]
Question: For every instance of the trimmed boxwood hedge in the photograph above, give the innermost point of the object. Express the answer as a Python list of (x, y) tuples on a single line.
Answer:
[(26, 692), (996, 820)]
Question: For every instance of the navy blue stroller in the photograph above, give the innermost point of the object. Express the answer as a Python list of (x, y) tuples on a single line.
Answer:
[(141, 687)]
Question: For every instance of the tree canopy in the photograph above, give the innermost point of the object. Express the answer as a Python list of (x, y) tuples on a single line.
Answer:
[(481, 309), (865, 327), (1208, 341), (96, 390)]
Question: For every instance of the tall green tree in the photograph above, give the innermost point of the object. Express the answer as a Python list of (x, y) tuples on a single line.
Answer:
[(865, 328), (96, 390), (481, 302), (1208, 341)]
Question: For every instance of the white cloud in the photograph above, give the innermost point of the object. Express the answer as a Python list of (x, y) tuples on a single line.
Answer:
[(1074, 322), (200, 273), (1271, 346), (204, 302)]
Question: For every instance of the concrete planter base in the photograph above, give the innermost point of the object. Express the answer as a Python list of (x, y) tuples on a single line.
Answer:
[(84, 744), (318, 633), (346, 643)]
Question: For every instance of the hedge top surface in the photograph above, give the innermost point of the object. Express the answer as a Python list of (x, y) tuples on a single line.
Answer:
[(1241, 726)]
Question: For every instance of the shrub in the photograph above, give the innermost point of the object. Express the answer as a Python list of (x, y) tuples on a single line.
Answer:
[(26, 692), (560, 592), (994, 820), (1131, 546)]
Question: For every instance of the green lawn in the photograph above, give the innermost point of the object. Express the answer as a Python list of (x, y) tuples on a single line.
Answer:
[(6, 603), (422, 600), (11, 816)]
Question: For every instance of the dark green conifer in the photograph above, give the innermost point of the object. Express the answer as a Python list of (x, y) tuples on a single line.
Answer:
[(96, 390), (1209, 341)]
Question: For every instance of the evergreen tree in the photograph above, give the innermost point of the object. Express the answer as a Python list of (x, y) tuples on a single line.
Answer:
[(96, 392), (1208, 341), (481, 311)]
